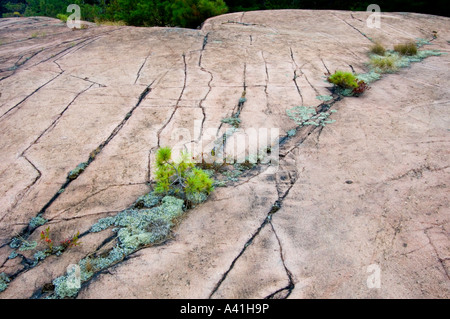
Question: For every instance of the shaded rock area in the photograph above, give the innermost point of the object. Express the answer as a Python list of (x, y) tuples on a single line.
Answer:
[(355, 209)]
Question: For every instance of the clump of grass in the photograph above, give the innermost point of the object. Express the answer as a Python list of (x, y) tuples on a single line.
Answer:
[(408, 48), (378, 48), (384, 64)]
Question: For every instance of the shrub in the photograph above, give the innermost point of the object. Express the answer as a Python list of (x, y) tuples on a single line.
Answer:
[(348, 84), (181, 177), (345, 80), (409, 48), (378, 49), (62, 17)]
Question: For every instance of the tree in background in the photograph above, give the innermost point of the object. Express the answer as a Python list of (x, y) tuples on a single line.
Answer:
[(191, 13), (141, 12), (182, 13)]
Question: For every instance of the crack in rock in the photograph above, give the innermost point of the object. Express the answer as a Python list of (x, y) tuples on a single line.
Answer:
[(17, 106), (267, 220)]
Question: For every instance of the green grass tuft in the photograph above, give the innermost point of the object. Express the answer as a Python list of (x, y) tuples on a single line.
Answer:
[(378, 48), (384, 64), (408, 48)]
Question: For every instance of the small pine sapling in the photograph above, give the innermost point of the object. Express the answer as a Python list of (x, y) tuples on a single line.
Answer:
[(348, 81), (198, 181), (181, 176), (345, 80)]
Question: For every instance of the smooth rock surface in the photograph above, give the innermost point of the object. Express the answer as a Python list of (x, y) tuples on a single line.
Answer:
[(367, 193)]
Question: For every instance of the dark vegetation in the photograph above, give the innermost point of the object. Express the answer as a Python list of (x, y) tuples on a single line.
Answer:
[(192, 13)]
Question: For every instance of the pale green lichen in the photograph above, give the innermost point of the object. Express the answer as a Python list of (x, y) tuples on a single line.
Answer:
[(135, 229), (303, 115), (65, 287), (4, 281), (196, 198), (37, 221), (324, 97), (291, 133), (28, 245), (232, 175), (148, 201), (146, 226), (139, 227), (16, 242), (421, 42), (73, 174), (12, 255), (40, 255), (219, 183), (233, 121), (242, 100), (369, 77), (90, 265), (102, 224), (392, 61)]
